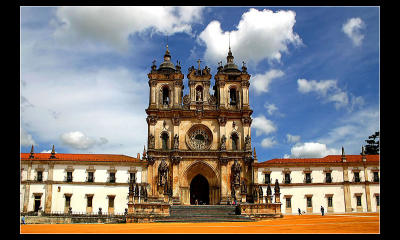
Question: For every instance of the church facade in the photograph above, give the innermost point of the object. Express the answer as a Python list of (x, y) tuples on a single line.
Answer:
[(199, 145), (198, 152)]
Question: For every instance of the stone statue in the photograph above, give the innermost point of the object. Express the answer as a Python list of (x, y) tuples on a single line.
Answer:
[(255, 194), (247, 142), (223, 143), (269, 192), (199, 96), (142, 191), (236, 169), (277, 188), (260, 191), (136, 190), (243, 188), (176, 141), (151, 141), (162, 173)]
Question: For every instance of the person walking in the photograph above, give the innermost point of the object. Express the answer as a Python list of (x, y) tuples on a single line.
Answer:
[(322, 210), (23, 219), (299, 211)]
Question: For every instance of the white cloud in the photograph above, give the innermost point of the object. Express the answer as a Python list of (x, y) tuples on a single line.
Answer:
[(352, 28), (292, 138), (312, 150), (261, 82), (330, 92), (113, 25), (263, 125), (271, 108), (26, 139), (268, 142), (79, 140), (259, 35)]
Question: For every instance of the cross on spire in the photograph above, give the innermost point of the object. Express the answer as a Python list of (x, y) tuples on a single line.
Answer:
[(198, 61)]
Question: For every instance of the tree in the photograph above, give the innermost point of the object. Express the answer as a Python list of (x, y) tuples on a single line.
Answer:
[(372, 146)]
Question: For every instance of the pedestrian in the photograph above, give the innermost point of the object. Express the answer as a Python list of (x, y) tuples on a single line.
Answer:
[(299, 211), (23, 219), (197, 202), (322, 210)]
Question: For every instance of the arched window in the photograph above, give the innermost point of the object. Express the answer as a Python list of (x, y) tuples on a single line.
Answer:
[(232, 96), (164, 141), (235, 142), (199, 93), (165, 95)]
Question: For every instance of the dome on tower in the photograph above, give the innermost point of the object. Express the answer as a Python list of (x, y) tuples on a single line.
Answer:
[(167, 64)]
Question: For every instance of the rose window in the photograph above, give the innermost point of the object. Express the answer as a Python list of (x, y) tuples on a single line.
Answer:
[(199, 137)]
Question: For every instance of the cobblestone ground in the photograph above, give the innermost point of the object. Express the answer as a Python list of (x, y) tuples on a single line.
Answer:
[(331, 223)]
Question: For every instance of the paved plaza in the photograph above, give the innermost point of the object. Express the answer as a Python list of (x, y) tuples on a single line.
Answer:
[(331, 223)]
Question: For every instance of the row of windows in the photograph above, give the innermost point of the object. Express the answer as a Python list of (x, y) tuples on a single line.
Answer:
[(329, 201), (89, 178), (328, 178)]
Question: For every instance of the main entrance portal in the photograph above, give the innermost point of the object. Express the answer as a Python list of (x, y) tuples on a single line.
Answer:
[(199, 190)]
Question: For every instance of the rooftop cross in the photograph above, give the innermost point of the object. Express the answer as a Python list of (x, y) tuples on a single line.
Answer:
[(198, 61)]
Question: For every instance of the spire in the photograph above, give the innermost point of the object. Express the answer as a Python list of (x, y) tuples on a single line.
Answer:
[(363, 157), (144, 151), (343, 156), (230, 57), (31, 156), (255, 155), (53, 153)]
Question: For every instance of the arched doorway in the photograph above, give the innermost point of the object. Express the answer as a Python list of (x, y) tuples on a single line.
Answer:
[(199, 189)]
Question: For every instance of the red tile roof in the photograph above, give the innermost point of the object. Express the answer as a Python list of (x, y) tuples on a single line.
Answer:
[(81, 157), (327, 159)]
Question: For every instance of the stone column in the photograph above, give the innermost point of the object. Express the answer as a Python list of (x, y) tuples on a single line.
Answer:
[(346, 189), (224, 180), (49, 189), (367, 190), (27, 187)]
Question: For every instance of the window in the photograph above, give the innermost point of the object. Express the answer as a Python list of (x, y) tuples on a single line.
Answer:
[(69, 176), (330, 201), (288, 202), (165, 95), (376, 177), (358, 201), (377, 200), (132, 177), (328, 178), (164, 139), (89, 201), (67, 201), (356, 177), (90, 177), (267, 178), (309, 201), (232, 95), (112, 177), (308, 177), (111, 201), (39, 176), (287, 178), (235, 142)]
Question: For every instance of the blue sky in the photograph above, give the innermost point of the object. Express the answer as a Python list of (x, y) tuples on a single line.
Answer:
[(314, 85)]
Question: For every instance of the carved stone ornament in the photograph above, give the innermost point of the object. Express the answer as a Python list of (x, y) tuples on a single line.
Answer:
[(186, 100), (199, 137), (277, 189), (151, 141), (212, 100), (247, 121), (248, 160), (150, 160), (222, 121), (260, 192), (243, 188), (176, 160), (152, 120), (176, 121), (245, 84), (223, 160)]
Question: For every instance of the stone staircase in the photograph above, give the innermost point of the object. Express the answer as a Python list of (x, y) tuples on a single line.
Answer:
[(204, 213)]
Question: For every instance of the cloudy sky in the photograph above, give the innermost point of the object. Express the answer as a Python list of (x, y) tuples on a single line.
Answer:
[(314, 73)]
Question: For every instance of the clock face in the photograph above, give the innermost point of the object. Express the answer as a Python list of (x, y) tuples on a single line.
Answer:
[(199, 137)]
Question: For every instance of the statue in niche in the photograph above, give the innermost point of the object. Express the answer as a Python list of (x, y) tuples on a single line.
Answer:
[(162, 173), (199, 95), (223, 143), (243, 188), (277, 188), (236, 169), (247, 142), (151, 141), (176, 141)]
